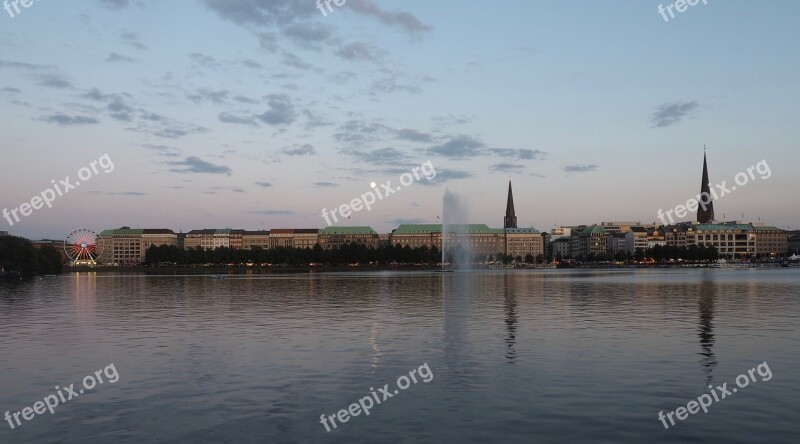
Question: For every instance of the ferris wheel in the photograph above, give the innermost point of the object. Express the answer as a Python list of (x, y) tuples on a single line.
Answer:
[(82, 248)]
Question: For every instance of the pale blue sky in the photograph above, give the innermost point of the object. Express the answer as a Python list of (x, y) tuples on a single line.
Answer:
[(259, 113)]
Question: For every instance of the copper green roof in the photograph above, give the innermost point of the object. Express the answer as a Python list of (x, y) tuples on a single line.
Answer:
[(768, 229), (347, 230), (594, 229), (121, 231), (522, 230), (451, 228), (722, 227)]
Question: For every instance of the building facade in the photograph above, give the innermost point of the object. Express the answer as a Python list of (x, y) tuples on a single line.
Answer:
[(127, 247), (521, 242), (336, 237)]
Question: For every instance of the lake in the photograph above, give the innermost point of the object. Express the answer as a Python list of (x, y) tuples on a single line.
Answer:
[(545, 356)]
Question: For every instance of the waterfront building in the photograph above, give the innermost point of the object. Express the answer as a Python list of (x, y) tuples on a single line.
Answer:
[(210, 239), (771, 242), (619, 227), (127, 247), (252, 239), (636, 239), (560, 248), (521, 242), (592, 241), (335, 237), (794, 242), (616, 242), (732, 240), (477, 238), (655, 236), (305, 237)]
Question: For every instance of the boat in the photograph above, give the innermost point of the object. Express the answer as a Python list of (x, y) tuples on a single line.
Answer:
[(217, 276)]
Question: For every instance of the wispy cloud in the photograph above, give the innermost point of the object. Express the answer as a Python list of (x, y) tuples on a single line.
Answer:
[(580, 168), (668, 114), (273, 212), (66, 120), (303, 150), (194, 164)]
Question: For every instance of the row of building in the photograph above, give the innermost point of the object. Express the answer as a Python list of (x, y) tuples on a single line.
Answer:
[(127, 246)]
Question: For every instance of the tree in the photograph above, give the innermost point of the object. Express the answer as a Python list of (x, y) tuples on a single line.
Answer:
[(529, 258)]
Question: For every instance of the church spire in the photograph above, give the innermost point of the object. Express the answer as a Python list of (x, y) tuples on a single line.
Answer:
[(705, 212), (510, 221)]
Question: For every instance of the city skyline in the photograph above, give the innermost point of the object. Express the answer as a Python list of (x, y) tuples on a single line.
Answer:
[(284, 111)]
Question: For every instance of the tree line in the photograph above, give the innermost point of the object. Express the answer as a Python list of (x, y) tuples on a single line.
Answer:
[(19, 255)]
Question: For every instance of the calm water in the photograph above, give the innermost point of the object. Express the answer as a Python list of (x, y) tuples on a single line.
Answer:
[(544, 356)]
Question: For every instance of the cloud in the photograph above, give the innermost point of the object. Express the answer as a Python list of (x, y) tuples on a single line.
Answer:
[(22, 65), (580, 168), (325, 184), (247, 63), (132, 39), (294, 61), (360, 51), (247, 100), (238, 120), (52, 81), (505, 167), (413, 135), (519, 153), (303, 150), (115, 4), (668, 114), (194, 164), (163, 150), (264, 184), (457, 148), (281, 110), (116, 57), (443, 176), (218, 96), (65, 120), (403, 20), (121, 193), (273, 212)]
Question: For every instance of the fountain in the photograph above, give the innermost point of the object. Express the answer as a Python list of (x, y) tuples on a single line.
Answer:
[(455, 219)]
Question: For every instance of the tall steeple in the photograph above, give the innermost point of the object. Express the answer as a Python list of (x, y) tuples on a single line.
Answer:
[(510, 221), (705, 212)]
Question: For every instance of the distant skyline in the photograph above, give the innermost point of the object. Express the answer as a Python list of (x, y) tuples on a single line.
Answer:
[(258, 114)]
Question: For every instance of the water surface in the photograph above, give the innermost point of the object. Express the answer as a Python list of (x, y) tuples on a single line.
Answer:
[(545, 356)]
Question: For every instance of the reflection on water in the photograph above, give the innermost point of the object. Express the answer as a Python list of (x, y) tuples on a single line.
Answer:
[(510, 303), (257, 358), (705, 327)]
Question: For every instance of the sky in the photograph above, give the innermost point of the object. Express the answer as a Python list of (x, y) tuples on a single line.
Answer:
[(259, 114)]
